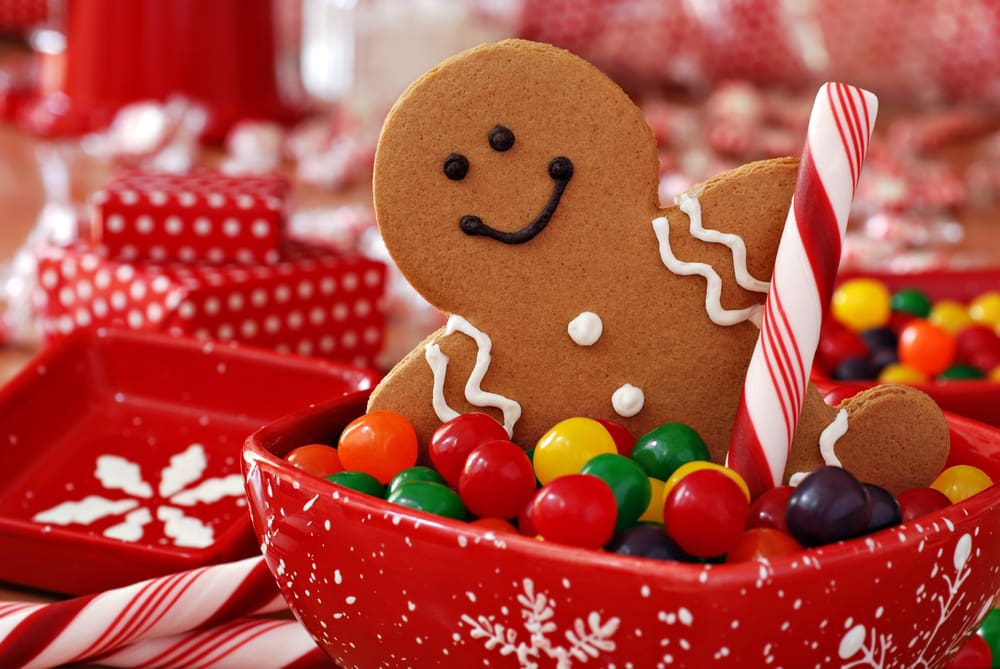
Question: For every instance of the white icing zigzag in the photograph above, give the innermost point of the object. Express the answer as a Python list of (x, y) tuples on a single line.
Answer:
[(828, 439), (474, 393)]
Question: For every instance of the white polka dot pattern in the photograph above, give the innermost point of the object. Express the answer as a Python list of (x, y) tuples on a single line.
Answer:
[(315, 301), (201, 216)]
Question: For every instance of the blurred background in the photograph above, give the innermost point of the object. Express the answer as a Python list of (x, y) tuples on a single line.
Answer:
[(88, 87)]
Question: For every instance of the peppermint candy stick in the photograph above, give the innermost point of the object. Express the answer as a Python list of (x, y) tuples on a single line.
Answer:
[(840, 128), (47, 635), (248, 642)]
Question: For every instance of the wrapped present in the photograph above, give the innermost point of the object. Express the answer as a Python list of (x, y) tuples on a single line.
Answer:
[(315, 301), (198, 216)]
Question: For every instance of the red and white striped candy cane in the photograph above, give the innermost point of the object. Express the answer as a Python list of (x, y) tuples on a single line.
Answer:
[(840, 128), (262, 643), (48, 635)]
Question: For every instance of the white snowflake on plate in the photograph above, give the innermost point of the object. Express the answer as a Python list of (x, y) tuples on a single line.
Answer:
[(866, 648), (180, 487), (586, 640)]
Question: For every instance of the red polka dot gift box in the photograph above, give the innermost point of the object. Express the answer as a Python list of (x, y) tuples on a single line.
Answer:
[(198, 216), (314, 301)]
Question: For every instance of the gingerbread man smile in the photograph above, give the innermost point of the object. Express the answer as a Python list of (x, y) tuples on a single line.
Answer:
[(456, 166)]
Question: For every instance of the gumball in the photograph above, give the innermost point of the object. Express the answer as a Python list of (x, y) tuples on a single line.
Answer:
[(990, 632), (949, 315), (763, 543), (919, 502), (879, 338), (628, 482), (854, 369), (900, 373), (828, 505), (317, 459), (666, 447), (380, 443), (994, 374), (975, 654), (453, 440), (575, 509), (648, 541), (960, 482), (768, 510), (696, 465), (359, 481), (429, 497), (654, 510), (524, 524), (926, 346), (885, 509), (497, 525), (910, 301), (986, 361), (567, 447), (415, 473), (975, 340), (624, 440), (497, 480), (836, 344), (861, 304), (985, 309), (705, 513), (960, 372)]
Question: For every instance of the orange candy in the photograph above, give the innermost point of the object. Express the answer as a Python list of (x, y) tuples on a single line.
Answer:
[(927, 347), (380, 443), (316, 459)]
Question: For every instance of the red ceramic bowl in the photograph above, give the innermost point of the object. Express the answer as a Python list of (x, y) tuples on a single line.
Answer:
[(120, 454), (383, 586), (975, 399)]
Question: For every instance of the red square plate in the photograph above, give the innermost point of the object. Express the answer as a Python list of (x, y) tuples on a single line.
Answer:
[(120, 453), (979, 399)]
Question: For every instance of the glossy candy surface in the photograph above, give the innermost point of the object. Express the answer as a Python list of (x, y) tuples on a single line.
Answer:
[(648, 541), (705, 513), (926, 347), (415, 473), (919, 502), (861, 304), (627, 481), (380, 443), (961, 482), (828, 505), (768, 510), (575, 509), (567, 447), (666, 447), (318, 459), (429, 497), (497, 480), (358, 481), (763, 543), (452, 442), (885, 510)]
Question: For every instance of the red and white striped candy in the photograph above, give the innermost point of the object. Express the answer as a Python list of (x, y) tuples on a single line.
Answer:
[(262, 643), (48, 635), (840, 128)]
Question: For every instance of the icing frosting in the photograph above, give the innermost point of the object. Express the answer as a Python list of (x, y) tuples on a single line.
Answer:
[(828, 439), (628, 400), (586, 328), (713, 293), (691, 205), (474, 393)]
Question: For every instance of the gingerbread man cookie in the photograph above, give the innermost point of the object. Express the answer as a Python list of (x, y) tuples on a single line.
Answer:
[(516, 188)]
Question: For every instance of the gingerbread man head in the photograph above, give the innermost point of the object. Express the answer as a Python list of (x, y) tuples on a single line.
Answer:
[(516, 187)]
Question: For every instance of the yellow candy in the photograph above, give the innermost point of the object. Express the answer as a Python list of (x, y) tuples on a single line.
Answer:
[(985, 309), (654, 512), (961, 482), (950, 315), (568, 446), (862, 304), (994, 374), (900, 373), (695, 465)]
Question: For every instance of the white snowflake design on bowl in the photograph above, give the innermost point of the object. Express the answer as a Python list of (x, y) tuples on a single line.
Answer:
[(587, 640), (180, 487)]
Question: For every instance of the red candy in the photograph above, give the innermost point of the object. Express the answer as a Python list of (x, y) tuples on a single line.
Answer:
[(920, 501), (452, 442), (497, 480), (768, 510), (575, 509), (763, 543), (705, 513), (975, 654), (837, 343), (624, 441)]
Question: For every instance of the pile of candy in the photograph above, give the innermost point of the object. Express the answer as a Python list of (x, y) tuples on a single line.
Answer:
[(589, 483), (903, 337)]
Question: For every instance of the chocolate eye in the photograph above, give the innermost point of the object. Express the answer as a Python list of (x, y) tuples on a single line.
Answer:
[(456, 166), (501, 138)]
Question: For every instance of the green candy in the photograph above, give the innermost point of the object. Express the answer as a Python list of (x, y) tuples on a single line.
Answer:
[(429, 497), (959, 371), (359, 481), (665, 448), (627, 480), (990, 630), (415, 473), (911, 301)]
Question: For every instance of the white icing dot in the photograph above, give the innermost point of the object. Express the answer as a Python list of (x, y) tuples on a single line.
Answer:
[(586, 328), (628, 400)]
